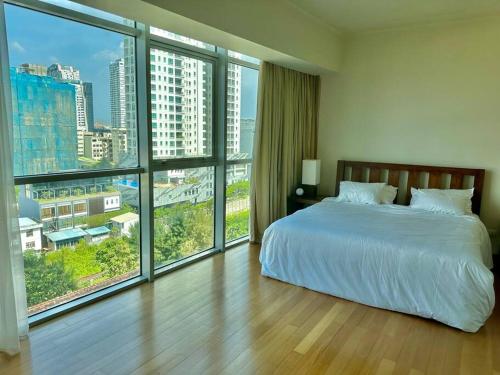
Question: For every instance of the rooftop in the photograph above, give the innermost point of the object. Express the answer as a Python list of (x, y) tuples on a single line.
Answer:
[(82, 197), (129, 216), (98, 231), (67, 234), (27, 223)]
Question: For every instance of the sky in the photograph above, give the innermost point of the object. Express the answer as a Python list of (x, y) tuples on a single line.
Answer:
[(39, 38)]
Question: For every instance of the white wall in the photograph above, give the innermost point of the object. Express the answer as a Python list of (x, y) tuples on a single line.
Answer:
[(36, 238), (424, 95)]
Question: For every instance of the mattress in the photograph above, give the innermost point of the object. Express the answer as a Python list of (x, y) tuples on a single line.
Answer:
[(388, 256)]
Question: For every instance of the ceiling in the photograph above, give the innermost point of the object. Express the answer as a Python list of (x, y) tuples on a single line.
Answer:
[(362, 15)]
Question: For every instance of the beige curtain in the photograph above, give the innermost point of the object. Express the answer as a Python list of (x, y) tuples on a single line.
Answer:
[(285, 134)]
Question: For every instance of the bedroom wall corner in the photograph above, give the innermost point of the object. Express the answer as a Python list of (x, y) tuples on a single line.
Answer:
[(425, 95)]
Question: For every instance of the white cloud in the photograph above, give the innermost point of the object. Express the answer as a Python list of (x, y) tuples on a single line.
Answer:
[(107, 54), (16, 46)]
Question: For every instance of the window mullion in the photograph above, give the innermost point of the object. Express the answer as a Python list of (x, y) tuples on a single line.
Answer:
[(220, 149), (143, 90)]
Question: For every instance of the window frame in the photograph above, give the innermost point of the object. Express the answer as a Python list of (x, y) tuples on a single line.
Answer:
[(144, 41), (229, 162), (161, 164), (60, 176)]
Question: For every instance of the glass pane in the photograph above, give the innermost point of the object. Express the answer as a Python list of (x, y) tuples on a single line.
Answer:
[(184, 213), (243, 57), (242, 83), (90, 11), (237, 201), (78, 237), (181, 105), (73, 94), (180, 38)]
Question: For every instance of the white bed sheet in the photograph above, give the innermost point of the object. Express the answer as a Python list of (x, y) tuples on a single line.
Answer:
[(388, 256)]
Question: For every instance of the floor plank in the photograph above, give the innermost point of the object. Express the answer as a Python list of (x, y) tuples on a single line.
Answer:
[(220, 316)]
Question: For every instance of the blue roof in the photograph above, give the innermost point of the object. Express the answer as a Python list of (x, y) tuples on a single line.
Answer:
[(129, 183), (67, 234), (98, 231)]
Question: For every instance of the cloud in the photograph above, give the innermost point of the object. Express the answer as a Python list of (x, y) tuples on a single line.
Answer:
[(107, 54), (16, 46)]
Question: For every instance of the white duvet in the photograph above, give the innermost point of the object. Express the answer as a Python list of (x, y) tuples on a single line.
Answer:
[(389, 256)]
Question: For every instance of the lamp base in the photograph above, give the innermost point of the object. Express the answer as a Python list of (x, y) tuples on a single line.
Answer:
[(310, 191)]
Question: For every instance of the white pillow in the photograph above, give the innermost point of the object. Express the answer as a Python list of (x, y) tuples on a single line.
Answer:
[(450, 201), (360, 192), (389, 193), (466, 195)]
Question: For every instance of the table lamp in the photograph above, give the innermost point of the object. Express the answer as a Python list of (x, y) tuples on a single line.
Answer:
[(310, 177)]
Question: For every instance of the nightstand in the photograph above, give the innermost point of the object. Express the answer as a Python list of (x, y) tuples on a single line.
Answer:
[(295, 203)]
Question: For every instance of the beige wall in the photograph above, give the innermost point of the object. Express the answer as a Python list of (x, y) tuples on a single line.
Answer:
[(426, 95)]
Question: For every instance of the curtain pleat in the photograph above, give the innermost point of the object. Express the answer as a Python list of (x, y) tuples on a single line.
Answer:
[(286, 133)]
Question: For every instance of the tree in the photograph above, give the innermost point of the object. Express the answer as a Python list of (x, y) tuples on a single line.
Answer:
[(80, 260), (170, 235), (116, 257), (134, 237), (238, 190), (237, 225), (45, 281)]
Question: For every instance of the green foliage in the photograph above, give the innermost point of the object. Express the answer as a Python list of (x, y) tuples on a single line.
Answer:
[(170, 235), (80, 260), (44, 280), (238, 190), (61, 271), (182, 230), (116, 256), (237, 225), (104, 218)]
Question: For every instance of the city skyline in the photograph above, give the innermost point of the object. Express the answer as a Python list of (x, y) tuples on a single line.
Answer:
[(32, 41)]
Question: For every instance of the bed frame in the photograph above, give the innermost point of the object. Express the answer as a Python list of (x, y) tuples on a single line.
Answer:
[(406, 176)]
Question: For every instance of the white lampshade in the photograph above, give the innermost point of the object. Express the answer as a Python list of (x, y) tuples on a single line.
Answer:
[(310, 172)]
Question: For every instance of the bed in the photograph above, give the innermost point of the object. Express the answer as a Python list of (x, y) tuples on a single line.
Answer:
[(390, 256)]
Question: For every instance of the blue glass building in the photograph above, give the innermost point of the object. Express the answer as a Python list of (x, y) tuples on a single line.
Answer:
[(44, 124)]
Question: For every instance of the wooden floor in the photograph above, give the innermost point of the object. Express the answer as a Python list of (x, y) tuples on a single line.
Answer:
[(221, 316)]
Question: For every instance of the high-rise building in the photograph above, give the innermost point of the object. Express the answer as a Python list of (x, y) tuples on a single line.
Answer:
[(247, 131), (98, 145), (181, 107), (44, 124), (35, 69), (233, 109), (130, 97), (63, 72), (181, 102), (88, 94), (119, 144), (117, 94), (84, 99)]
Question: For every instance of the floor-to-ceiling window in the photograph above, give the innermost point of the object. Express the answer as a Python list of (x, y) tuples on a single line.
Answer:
[(242, 82), (77, 183), (126, 152)]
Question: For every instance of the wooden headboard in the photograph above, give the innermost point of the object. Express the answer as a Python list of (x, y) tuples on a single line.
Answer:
[(406, 176)]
